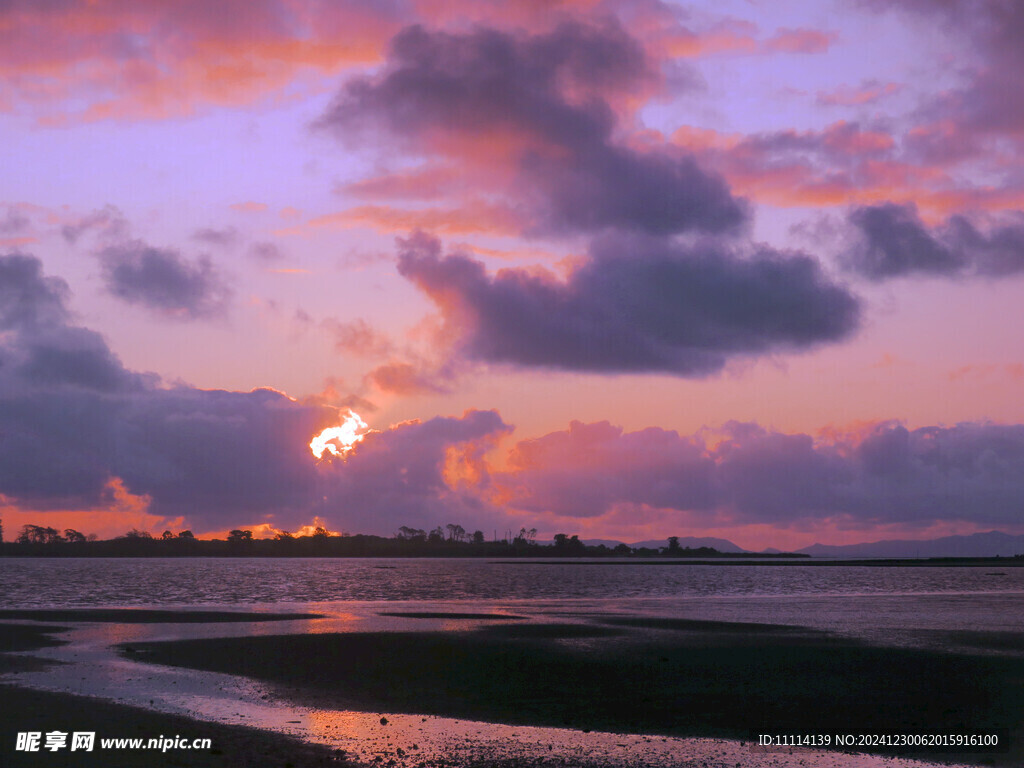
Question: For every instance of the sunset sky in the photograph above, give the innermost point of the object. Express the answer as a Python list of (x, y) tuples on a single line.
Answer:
[(620, 268)]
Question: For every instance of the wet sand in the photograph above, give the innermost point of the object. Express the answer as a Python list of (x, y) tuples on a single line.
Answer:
[(24, 710), (142, 616), (563, 693), (232, 746), (686, 678)]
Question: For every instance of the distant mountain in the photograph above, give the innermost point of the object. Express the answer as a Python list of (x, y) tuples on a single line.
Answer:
[(693, 542), (990, 544), (610, 543)]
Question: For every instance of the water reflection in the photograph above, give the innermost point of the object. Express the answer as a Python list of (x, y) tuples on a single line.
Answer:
[(92, 667), (149, 582)]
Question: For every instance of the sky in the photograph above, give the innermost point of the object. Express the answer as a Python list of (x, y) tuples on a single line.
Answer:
[(618, 268)]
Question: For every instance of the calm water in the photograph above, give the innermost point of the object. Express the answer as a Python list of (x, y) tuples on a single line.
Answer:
[(41, 582), (947, 609)]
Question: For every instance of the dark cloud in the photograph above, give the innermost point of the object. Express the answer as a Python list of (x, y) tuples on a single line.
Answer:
[(892, 241), (224, 237), (992, 101), (73, 418), (107, 222), (747, 474), (162, 280), (421, 474), (27, 298), (539, 104), (265, 251), (895, 242), (639, 304), (14, 221)]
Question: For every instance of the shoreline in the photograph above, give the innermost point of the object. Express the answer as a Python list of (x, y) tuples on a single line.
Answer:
[(232, 746), (674, 680), (687, 684), (753, 559), (24, 709)]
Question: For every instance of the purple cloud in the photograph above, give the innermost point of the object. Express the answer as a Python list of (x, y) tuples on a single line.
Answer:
[(72, 418), (971, 472), (892, 241), (540, 104), (160, 279), (639, 304)]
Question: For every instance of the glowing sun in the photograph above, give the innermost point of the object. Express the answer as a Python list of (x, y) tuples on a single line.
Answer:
[(339, 440)]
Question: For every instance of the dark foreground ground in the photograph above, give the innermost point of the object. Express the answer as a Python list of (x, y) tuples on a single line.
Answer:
[(26, 710), (669, 677), (656, 676)]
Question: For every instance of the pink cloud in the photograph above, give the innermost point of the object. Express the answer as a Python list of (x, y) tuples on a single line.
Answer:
[(248, 207), (868, 92), (859, 477), (357, 337), (475, 216), (840, 165), (150, 59), (407, 379), (726, 37), (799, 41)]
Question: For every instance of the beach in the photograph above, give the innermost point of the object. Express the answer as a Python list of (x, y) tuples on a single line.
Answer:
[(26, 710), (481, 688)]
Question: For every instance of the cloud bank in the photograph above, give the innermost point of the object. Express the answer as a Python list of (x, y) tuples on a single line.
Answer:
[(537, 111), (746, 474), (74, 420), (637, 305)]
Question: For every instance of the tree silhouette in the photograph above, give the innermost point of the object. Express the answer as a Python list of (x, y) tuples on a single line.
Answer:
[(570, 545), (73, 536), (37, 534), (411, 534)]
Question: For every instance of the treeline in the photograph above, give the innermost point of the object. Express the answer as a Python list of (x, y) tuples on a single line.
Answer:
[(451, 541)]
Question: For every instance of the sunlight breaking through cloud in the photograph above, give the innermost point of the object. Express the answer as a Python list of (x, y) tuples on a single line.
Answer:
[(339, 440)]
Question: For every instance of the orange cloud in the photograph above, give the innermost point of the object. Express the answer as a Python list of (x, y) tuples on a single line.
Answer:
[(149, 59), (419, 183), (120, 512), (855, 96), (473, 217), (357, 337), (1013, 371), (398, 378), (838, 166), (685, 44), (14, 242), (799, 41)]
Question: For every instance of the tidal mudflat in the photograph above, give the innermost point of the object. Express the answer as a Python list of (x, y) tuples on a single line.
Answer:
[(476, 684)]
